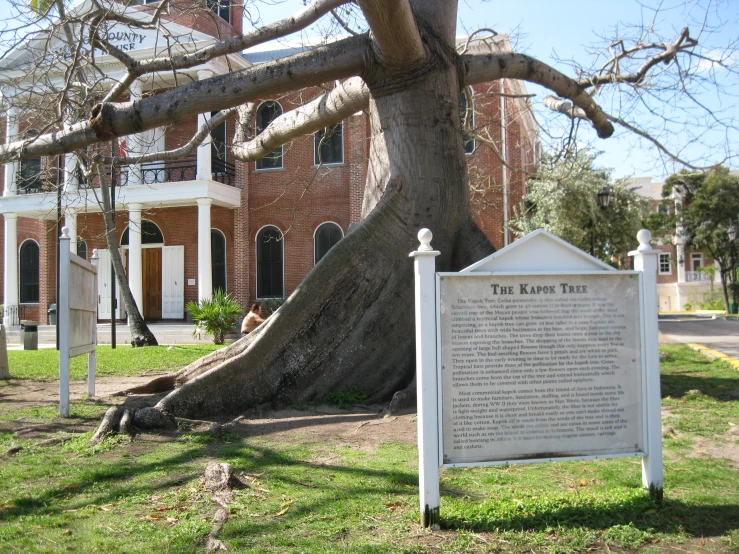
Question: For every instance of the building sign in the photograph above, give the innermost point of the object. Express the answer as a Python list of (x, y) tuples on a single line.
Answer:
[(540, 366)]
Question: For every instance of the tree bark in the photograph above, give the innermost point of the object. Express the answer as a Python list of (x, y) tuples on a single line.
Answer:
[(350, 322)]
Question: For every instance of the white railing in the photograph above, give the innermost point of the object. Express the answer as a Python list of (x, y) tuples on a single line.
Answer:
[(697, 277)]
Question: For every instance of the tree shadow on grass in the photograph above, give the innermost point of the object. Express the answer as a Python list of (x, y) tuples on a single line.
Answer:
[(676, 385)]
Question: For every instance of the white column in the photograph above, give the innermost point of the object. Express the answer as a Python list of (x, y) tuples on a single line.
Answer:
[(70, 222), (71, 180), (204, 152), (135, 264), (205, 277), (134, 142), (646, 260), (11, 266), (11, 134), (426, 380), (63, 321)]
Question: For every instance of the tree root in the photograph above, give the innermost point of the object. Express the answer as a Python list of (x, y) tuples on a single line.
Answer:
[(109, 425), (219, 479), (402, 399)]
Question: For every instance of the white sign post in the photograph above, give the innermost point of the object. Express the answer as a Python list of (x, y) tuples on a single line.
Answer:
[(540, 353), (77, 316)]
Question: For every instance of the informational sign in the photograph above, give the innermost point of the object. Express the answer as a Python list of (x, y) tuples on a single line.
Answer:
[(540, 366)]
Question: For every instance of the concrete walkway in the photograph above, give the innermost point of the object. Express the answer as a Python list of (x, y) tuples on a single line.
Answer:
[(166, 333)]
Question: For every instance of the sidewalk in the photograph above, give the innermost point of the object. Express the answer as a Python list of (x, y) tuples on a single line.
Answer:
[(717, 338)]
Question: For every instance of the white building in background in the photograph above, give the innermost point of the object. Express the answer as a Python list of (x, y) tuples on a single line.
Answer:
[(684, 276)]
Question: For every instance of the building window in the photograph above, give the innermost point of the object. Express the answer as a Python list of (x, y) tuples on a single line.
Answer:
[(150, 234), (329, 145), (466, 115), (325, 238), (662, 208), (222, 8), (218, 260), (218, 148), (29, 273), (266, 113), (29, 176), (269, 263), (664, 264), (81, 248), (696, 261)]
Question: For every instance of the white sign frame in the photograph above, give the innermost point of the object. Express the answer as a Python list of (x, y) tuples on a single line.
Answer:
[(538, 253), (533, 460), (76, 339)]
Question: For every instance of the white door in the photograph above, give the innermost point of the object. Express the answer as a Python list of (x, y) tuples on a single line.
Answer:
[(664, 304), (173, 282), (104, 287)]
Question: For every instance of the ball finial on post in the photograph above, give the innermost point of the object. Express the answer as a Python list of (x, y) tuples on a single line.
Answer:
[(424, 237), (65, 232), (644, 236)]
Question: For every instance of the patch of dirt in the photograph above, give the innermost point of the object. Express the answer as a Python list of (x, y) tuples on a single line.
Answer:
[(728, 449)]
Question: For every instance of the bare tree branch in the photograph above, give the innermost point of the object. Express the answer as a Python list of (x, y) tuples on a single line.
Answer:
[(347, 98), (338, 60), (295, 22), (488, 67)]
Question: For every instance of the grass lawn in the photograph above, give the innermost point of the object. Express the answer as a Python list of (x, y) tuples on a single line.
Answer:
[(122, 361), (317, 495)]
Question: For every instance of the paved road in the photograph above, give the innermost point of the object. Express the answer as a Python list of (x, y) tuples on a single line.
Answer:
[(717, 334)]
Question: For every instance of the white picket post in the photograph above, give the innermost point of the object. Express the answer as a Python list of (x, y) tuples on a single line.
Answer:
[(646, 261), (426, 379), (63, 323), (91, 357)]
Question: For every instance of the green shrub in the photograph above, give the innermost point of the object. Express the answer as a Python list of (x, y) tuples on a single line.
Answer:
[(271, 305), (215, 316), (346, 399)]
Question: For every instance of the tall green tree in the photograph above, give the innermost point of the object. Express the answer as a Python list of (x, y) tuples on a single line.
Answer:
[(563, 199), (707, 206)]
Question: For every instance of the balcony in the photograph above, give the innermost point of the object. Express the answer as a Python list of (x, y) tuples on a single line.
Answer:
[(178, 171), (697, 277)]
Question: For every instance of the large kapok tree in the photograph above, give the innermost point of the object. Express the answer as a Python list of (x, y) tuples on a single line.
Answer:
[(350, 322)]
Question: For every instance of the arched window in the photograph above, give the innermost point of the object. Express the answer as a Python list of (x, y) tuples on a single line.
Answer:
[(269, 263), (150, 234), (29, 273), (468, 116), (324, 239), (29, 177), (218, 260), (266, 113), (329, 145), (81, 248)]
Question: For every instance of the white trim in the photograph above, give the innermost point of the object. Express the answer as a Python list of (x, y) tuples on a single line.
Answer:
[(316, 163), (282, 149), (256, 262), (315, 231), (225, 256)]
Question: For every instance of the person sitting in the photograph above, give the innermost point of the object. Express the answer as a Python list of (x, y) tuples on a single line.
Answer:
[(253, 319)]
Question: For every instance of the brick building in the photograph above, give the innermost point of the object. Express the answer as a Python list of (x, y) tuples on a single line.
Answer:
[(189, 226)]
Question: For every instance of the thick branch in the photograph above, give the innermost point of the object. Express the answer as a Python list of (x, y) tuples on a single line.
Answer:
[(339, 60), (176, 153), (488, 67), (396, 38), (347, 98), (295, 22)]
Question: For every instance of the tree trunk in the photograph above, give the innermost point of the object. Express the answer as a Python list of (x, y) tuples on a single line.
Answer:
[(140, 333), (350, 322)]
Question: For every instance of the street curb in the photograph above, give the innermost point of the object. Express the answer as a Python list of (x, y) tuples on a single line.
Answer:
[(715, 354)]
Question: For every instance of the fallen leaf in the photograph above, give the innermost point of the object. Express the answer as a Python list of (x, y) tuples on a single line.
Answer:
[(192, 489), (67, 532), (583, 483), (151, 517), (162, 509), (172, 520), (283, 511), (104, 508)]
